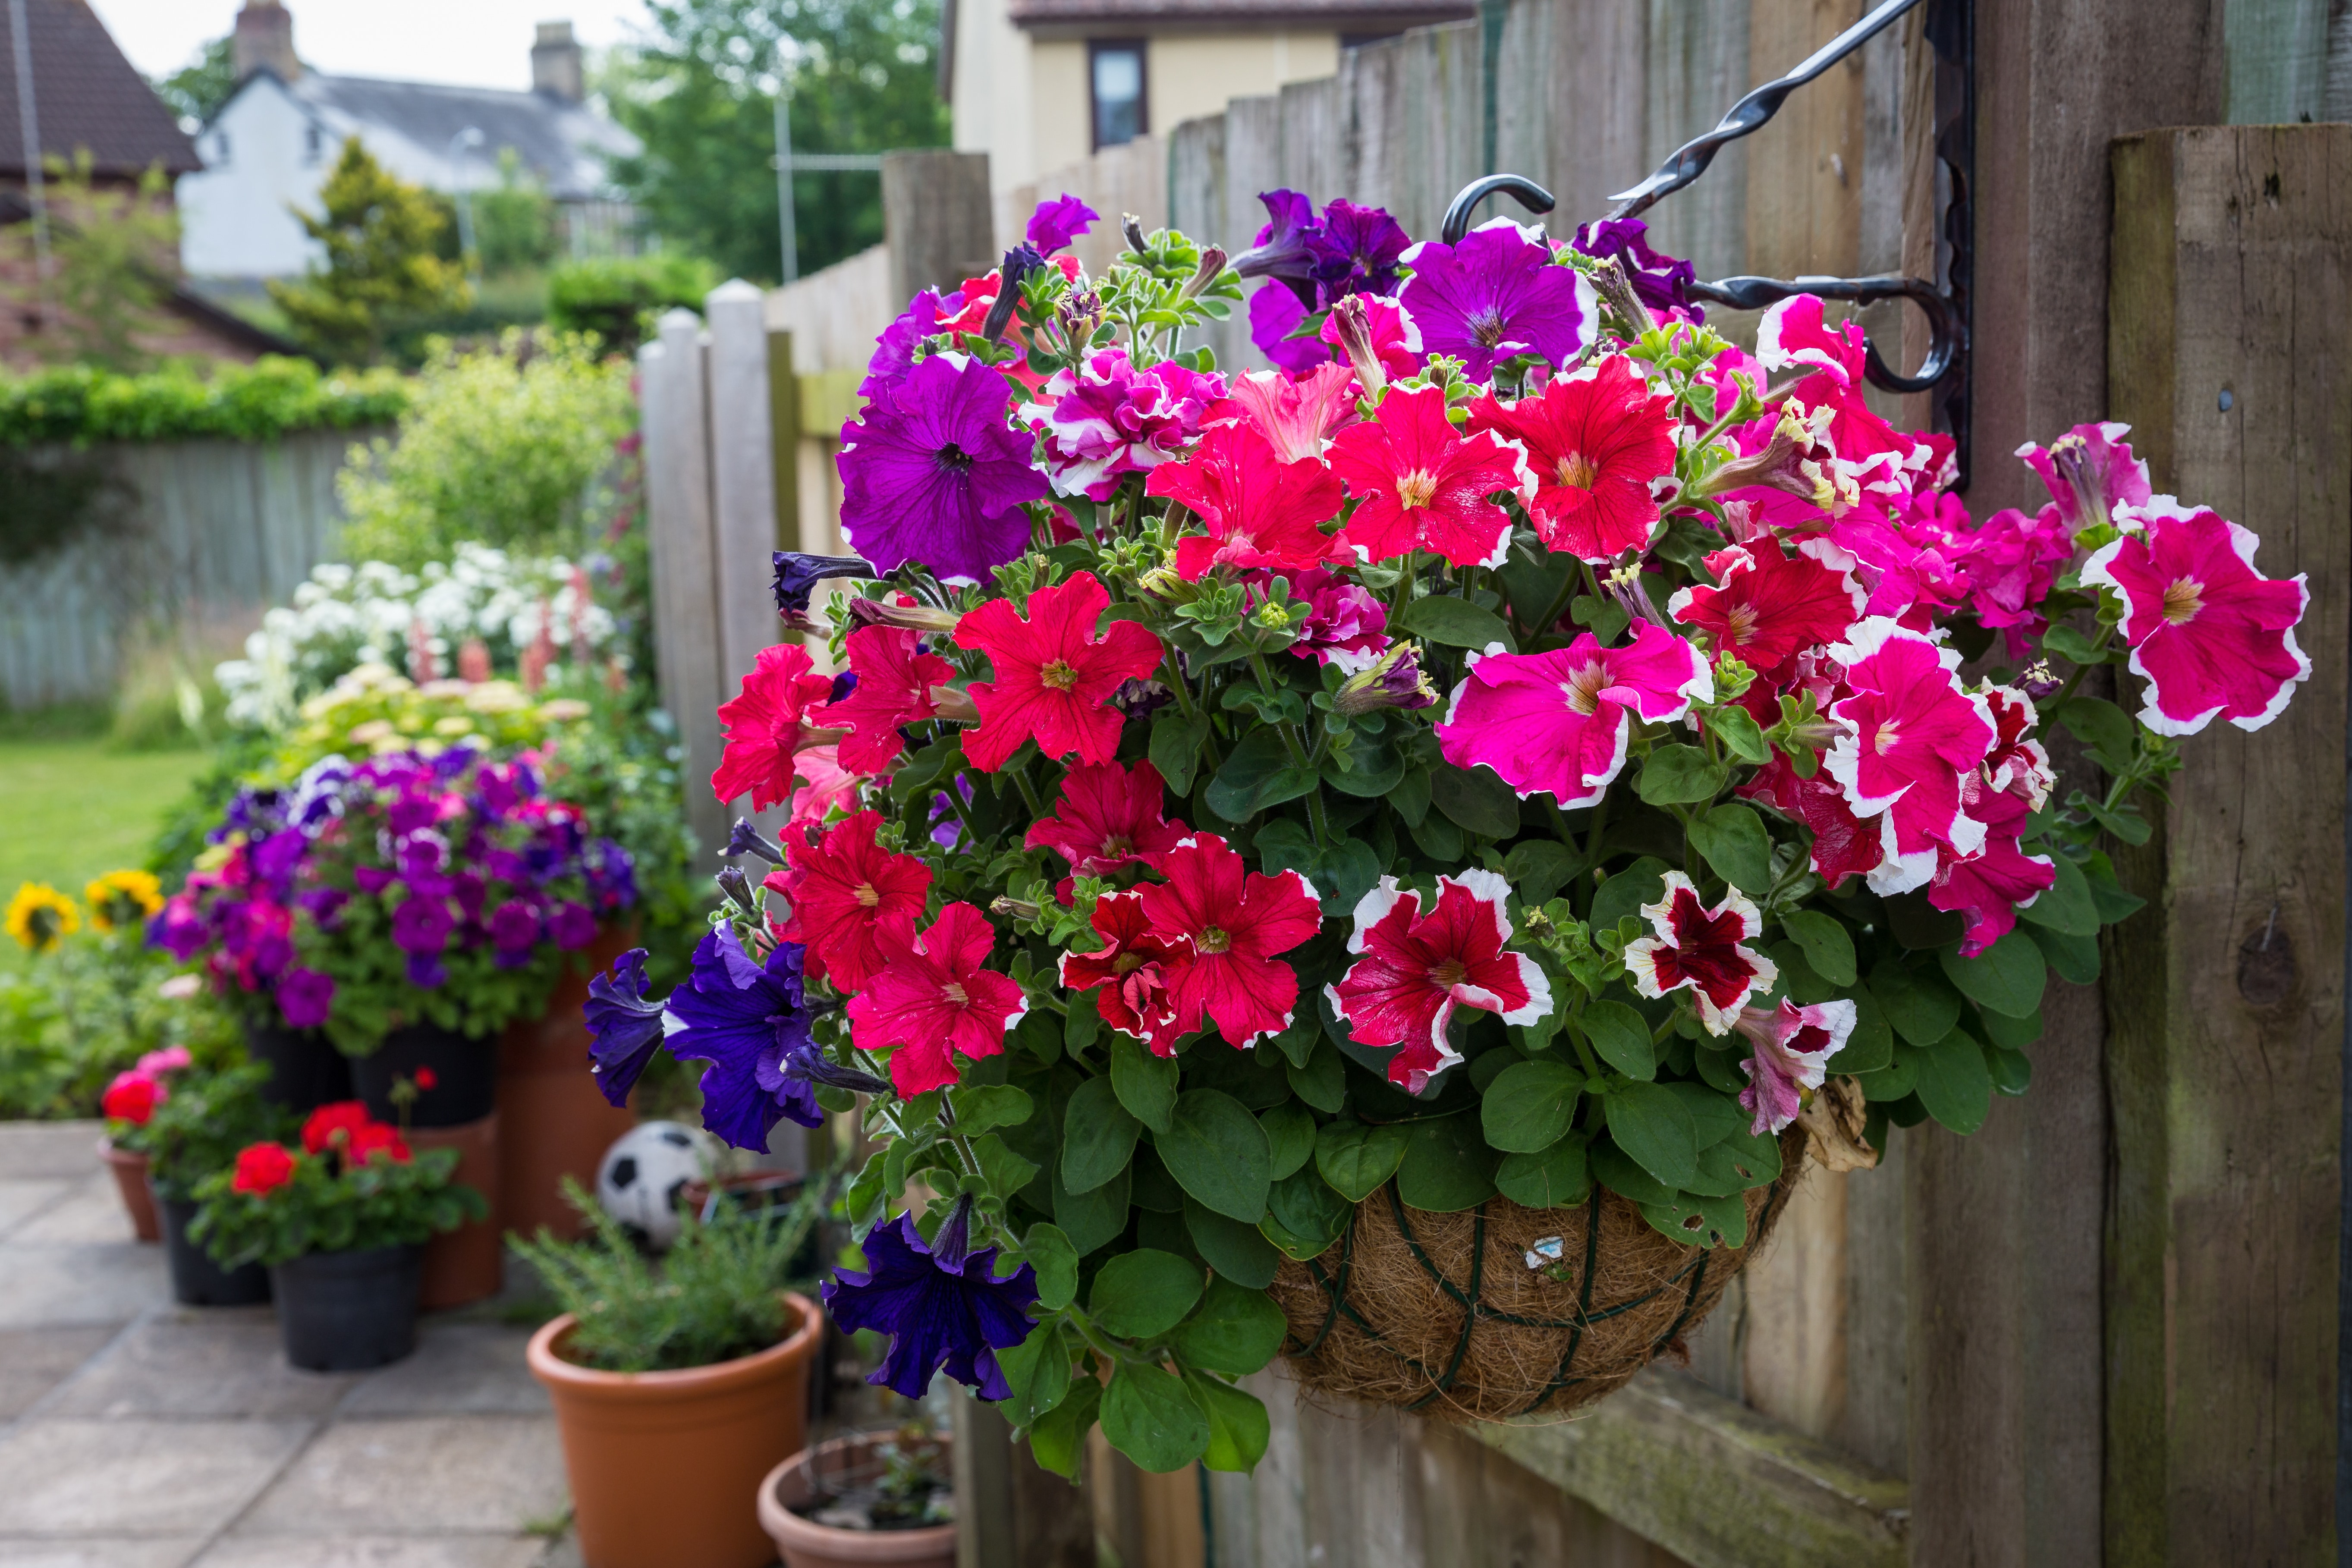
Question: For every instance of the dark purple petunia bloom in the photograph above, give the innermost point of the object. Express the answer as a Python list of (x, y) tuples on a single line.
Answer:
[(940, 1303), (514, 932), (422, 925), (797, 576), (572, 926), (1056, 224), (1285, 248), (747, 839), (1275, 314), (305, 996), (1662, 282), (934, 475), (1019, 262), (426, 972), (894, 351), (1497, 294), (745, 1019), (622, 1026), (1357, 250)]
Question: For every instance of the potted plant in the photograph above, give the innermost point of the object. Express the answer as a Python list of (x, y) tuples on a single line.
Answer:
[(341, 1221), (129, 1105), (677, 1385), (194, 1132), (873, 1496)]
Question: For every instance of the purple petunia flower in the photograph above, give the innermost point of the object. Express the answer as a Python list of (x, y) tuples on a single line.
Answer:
[(1285, 248), (426, 972), (940, 1304), (744, 1018), (572, 926), (422, 924), (894, 351), (514, 932), (1495, 295), (934, 475), (1357, 250), (622, 1026), (1275, 314), (305, 997), (1662, 282), (1056, 224), (797, 576)]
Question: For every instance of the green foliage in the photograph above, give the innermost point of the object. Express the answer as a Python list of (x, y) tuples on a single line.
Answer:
[(114, 256), (207, 1116), (617, 298), (331, 1205), (381, 236), (514, 225), (79, 404), (713, 1296), (202, 87), (496, 445), (72, 1018)]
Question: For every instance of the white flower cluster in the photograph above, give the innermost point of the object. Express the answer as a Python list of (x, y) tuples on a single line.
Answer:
[(373, 613)]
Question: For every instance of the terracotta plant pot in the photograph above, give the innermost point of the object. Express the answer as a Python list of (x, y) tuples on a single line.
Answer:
[(807, 1545), (552, 1119), (131, 1180), (467, 1264), (664, 1466)]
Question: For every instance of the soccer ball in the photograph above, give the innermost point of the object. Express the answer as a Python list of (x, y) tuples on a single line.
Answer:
[(644, 1171)]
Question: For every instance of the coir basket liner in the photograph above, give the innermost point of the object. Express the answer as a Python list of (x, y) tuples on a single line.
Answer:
[(1440, 1312)]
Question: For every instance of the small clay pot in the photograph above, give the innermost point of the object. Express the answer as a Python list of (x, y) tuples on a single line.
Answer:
[(131, 1180), (467, 1264), (196, 1280), (348, 1311), (804, 1543), (465, 1076), (664, 1464)]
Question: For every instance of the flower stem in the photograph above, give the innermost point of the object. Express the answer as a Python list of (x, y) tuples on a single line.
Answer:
[(2050, 713)]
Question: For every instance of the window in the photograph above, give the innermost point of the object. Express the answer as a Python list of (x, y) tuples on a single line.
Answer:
[(314, 141), (1116, 70), (220, 147)]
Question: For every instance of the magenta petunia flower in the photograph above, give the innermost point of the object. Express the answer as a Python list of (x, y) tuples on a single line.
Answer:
[(2207, 631), (933, 474), (1557, 722), (1112, 419), (1415, 967), (1702, 949), (895, 682), (1793, 1047), (1423, 485), (2008, 564), (2091, 474), (1495, 295), (1662, 282), (1767, 607), (2018, 763), (1986, 887), (1056, 223), (1395, 341), (1907, 735), (1108, 815), (1344, 624)]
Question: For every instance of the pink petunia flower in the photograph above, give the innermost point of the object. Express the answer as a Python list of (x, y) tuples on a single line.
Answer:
[(932, 1001), (2009, 564), (1239, 921), (1260, 511), (1297, 415), (1907, 735), (1425, 486), (1702, 949), (1793, 1047), (2207, 631), (1109, 419), (1986, 887), (1417, 967), (1107, 815), (1053, 678), (1394, 340), (2091, 473), (895, 682), (2018, 763), (1557, 722), (1597, 443), (1344, 624), (825, 783), (1135, 969), (765, 725)]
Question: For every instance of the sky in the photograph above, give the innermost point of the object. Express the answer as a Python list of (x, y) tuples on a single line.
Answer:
[(476, 43)]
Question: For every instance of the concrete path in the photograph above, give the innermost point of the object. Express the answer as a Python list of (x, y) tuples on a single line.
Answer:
[(136, 1434)]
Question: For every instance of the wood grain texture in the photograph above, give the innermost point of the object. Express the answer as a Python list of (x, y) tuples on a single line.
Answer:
[(941, 223), (2227, 1015), (1598, 113), (685, 592), (1696, 67), (1804, 169)]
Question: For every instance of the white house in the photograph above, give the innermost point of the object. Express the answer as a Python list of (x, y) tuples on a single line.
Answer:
[(273, 143)]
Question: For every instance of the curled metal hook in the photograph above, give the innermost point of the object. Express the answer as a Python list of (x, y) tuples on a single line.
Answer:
[(1948, 338), (1519, 188)]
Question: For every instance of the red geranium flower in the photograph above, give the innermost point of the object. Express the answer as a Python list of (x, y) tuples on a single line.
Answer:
[(764, 726), (262, 1169), (1260, 511), (843, 888), (1704, 949), (1595, 442), (1136, 972), (1423, 485), (427, 1079), (932, 1000), (1107, 816), (894, 689), (1767, 607), (132, 1097), (1054, 676), (1238, 922), (1416, 968), (375, 1137), (338, 1118)]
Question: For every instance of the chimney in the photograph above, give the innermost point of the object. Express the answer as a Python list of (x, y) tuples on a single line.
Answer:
[(555, 64), (265, 37)]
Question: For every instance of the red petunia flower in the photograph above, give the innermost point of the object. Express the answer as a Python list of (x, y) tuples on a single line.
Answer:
[(932, 1000), (1260, 511), (1136, 971), (1596, 441), (1054, 676), (1909, 735), (764, 725), (1843, 845), (1297, 414), (1423, 485), (894, 689), (132, 1097), (843, 889), (262, 1169), (1416, 968), (1702, 949), (337, 1119), (1106, 816), (1986, 887), (1767, 607), (1238, 922)]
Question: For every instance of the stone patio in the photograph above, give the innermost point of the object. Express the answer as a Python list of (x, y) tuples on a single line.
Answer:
[(137, 1434)]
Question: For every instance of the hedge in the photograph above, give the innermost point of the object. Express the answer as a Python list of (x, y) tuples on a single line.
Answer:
[(271, 397)]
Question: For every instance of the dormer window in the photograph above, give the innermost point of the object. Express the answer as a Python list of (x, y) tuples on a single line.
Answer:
[(314, 141)]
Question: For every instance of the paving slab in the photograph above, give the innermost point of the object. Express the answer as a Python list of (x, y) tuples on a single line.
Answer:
[(21, 1197), (48, 1148), (35, 1361), (376, 1551), (490, 1474), (118, 1553), (458, 1369), (195, 1362), (79, 1478), (90, 1210), (45, 1287)]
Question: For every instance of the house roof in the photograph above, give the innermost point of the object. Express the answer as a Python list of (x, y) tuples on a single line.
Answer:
[(1347, 16), (86, 95), (566, 144)]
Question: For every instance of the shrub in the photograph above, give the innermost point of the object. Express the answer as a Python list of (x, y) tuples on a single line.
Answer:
[(617, 297), (79, 403)]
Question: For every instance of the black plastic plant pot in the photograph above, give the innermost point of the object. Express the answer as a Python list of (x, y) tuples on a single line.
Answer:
[(348, 1311), (305, 1071), (464, 1072), (196, 1280)]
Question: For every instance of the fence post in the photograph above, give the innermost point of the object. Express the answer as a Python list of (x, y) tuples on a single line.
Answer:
[(2230, 336), (743, 494), (941, 224), (678, 519)]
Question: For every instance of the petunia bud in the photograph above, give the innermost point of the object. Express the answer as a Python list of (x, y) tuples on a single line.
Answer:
[(866, 611), (1012, 909), (2071, 456), (1352, 320), (1624, 585), (1132, 228), (1019, 262), (736, 886), (797, 576), (1616, 291), (1394, 681), (1212, 263), (1080, 316), (747, 839), (1796, 460), (954, 702)]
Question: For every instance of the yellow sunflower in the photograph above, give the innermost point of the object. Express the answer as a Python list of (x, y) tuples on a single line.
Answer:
[(122, 898), (39, 916)]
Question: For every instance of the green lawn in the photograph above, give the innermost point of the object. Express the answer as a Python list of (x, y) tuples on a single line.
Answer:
[(70, 810)]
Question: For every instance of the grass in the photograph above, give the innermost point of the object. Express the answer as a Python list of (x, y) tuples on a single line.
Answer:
[(74, 809)]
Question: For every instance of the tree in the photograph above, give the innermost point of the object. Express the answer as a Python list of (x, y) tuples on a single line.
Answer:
[(114, 253), (380, 235), (197, 90), (701, 96)]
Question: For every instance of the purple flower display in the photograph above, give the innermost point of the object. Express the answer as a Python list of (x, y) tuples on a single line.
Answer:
[(624, 1027), (797, 576), (1285, 248), (1497, 294), (304, 996), (1357, 250), (940, 1304), (1056, 223), (1275, 314), (1662, 282), (894, 351), (744, 1018), (933, 474)]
